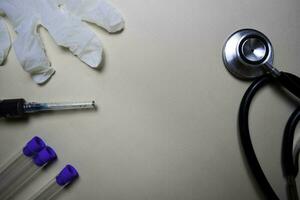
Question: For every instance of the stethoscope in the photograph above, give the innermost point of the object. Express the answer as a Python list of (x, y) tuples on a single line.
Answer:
[(248, 55)]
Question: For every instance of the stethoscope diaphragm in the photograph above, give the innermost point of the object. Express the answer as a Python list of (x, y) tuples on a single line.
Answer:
[(246, 52)]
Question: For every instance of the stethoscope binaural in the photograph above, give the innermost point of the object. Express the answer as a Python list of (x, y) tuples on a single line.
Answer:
[(248, 55)]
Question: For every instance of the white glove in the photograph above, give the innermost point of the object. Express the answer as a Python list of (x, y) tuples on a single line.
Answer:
[(63, 19), (4, 41)]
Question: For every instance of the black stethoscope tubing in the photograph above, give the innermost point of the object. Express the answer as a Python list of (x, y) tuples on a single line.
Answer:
[(290, 169)]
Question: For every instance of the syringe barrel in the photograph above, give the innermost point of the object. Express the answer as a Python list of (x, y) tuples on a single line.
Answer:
[(14, 180), (32, 107), (64, 178)]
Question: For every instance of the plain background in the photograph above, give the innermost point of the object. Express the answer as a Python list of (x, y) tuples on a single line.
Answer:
[(166, 124)]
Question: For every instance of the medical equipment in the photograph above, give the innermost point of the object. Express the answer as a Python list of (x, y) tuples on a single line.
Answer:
[(21, 159), (4, 41), (12, 182), (64, 178), (64, 21), (248, 54), (16, 108)]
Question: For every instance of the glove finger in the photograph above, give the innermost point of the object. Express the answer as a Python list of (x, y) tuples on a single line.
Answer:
[(30, 52), (4, 41), (70, 32), (99, 12)]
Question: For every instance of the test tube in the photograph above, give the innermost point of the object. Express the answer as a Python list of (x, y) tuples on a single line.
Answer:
[(14, 180), (67, 175), (17, 163)]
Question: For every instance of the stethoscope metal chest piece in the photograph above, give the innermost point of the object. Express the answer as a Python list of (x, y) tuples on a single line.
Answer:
[(247, 53)]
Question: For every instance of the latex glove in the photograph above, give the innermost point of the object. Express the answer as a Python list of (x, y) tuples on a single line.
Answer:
[(63, 19), (4, 41)]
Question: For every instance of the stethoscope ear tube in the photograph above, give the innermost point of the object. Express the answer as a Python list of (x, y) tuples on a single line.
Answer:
[(245, 138), (290, 82), (290, 168), (289, 164)]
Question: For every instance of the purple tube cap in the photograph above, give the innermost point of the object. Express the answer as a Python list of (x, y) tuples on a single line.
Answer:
[(35, 145), (45, 156), (67, 175)]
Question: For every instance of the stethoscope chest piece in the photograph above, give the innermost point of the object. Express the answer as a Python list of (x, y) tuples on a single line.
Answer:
[(246, 52)]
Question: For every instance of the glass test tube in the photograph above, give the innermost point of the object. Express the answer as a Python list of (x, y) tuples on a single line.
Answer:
[(64, 178), (17, 164), (18, 178)]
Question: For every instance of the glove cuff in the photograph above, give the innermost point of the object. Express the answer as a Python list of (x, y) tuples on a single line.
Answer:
[(43, 77)]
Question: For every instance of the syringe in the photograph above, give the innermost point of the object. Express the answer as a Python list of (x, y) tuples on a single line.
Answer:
[(18, 108)]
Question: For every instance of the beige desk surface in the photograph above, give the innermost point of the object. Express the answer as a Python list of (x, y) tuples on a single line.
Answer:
[(166, 127)]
